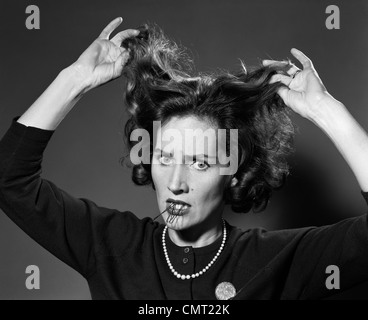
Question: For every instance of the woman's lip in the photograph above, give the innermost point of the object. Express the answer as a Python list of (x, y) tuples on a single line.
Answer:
[(178, 202)]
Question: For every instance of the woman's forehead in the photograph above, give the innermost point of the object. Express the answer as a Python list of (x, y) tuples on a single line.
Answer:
[(188, 122), (189, 133)]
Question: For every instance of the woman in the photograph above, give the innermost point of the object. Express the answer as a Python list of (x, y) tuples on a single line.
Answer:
[(196, 254)]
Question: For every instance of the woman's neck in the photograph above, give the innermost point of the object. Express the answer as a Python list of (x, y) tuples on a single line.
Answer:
[(196, 236)]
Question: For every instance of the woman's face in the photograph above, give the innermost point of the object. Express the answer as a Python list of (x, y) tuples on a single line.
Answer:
[(186, 175)]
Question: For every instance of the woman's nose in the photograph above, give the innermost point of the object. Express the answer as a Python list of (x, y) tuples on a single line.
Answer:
[(178, 182)]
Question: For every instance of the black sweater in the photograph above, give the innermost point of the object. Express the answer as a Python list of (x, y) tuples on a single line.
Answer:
[(121, 255)]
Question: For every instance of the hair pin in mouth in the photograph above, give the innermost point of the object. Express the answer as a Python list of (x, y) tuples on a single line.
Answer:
[(175, 210), (170, 206), (174, 214)]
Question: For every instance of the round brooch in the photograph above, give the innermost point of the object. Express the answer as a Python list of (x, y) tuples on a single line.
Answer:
[(225, 291)]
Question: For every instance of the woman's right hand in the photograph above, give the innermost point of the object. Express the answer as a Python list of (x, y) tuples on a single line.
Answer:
[(104, 59)]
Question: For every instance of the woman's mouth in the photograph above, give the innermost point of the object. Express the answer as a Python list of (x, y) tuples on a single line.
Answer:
[(177, 207)]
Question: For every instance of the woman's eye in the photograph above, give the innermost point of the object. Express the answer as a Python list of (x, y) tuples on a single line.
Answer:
[(199, 165), (166, 161)]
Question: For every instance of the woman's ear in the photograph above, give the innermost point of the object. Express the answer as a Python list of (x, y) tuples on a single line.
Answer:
[(234, 182)]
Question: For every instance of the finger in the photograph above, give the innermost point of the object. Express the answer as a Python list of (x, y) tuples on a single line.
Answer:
[(110, 28), (281, 78), (303, 59), (293, 70), (119, 37), (120, 63), (269, 62), (283, 93), (292, 66)]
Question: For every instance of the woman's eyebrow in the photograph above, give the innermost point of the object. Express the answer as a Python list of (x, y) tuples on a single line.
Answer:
[(209, 158), (188, 158), (163, 152), (200, 155)]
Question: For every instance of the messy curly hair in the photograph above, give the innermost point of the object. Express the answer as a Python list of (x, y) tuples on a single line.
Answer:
[(159, 86)]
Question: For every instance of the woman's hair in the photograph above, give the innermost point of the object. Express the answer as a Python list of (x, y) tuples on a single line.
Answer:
[(159, 86)]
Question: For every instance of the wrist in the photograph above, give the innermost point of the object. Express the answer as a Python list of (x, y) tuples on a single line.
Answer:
[(75, 75), (327, 111), (334, 119)]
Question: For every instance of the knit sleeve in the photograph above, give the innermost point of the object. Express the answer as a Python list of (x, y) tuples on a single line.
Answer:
[(68, 227), (341, 247)]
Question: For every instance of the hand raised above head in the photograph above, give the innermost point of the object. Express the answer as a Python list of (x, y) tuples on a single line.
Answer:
[(303, 88), (104, 59)]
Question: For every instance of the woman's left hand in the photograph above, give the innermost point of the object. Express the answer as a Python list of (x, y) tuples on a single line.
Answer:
[(304, 89)]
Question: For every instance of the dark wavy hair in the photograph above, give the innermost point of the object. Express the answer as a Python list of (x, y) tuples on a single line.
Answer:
[(159, 85)]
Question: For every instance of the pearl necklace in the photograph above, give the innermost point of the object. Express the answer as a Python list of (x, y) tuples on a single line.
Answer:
[(194, 275)]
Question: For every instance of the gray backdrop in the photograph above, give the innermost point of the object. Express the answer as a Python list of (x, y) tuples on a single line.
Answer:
[(83, 156)]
